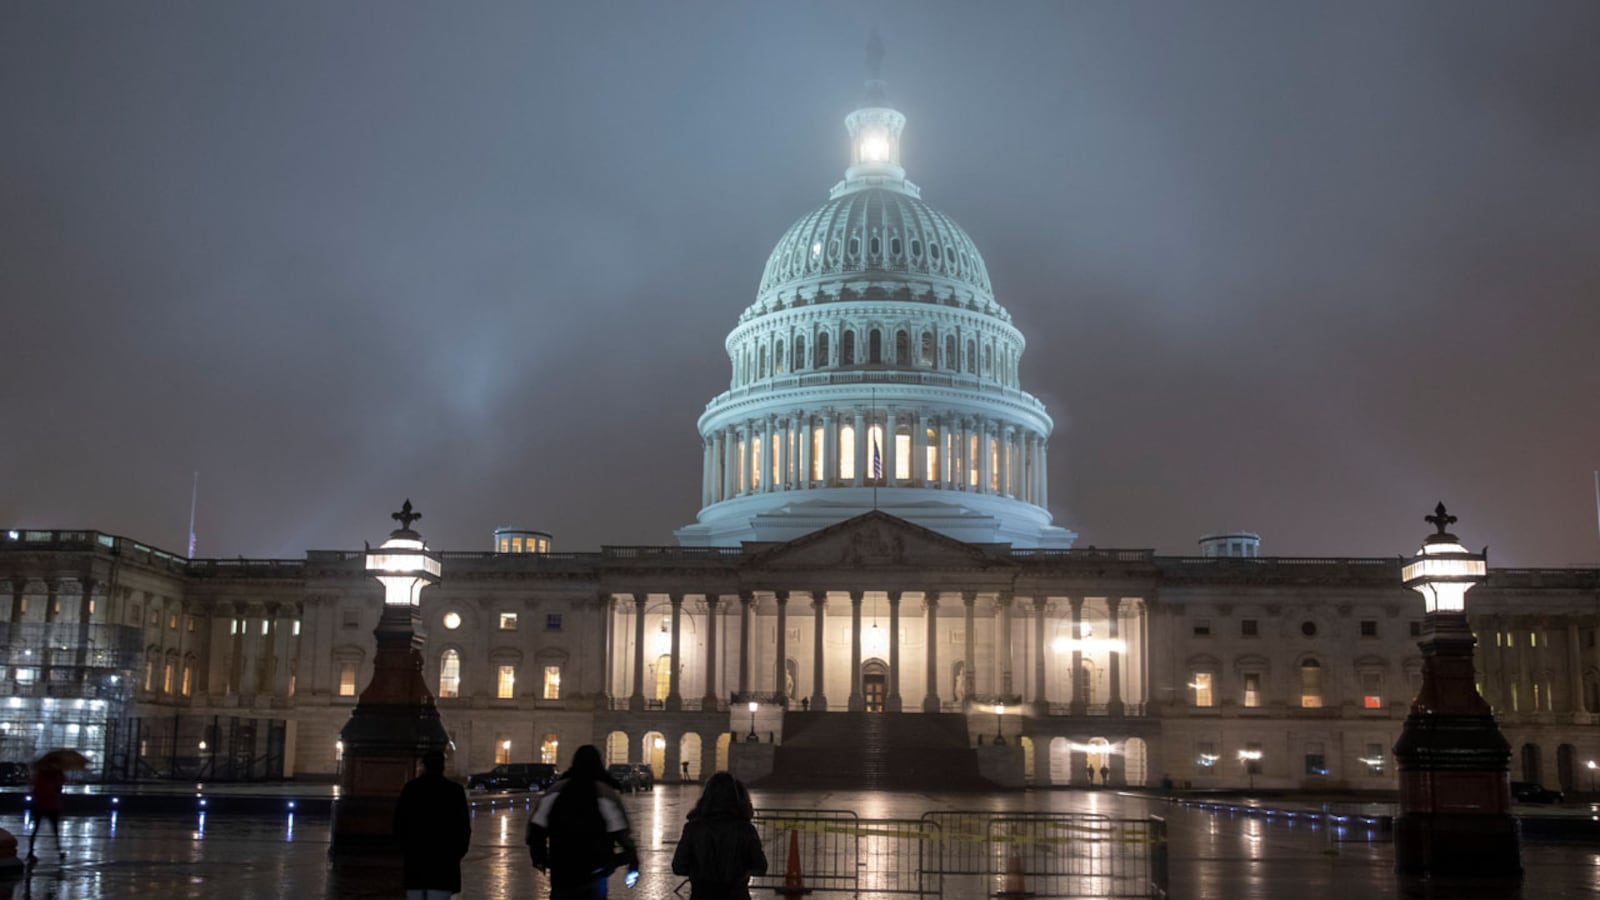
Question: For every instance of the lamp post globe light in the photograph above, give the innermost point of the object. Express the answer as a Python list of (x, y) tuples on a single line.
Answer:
[(1455, 791), (752, 735), (394, 721), (999, 723)]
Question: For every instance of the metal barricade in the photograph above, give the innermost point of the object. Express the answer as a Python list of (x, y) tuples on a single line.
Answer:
[(1072, 857), (821, 844)]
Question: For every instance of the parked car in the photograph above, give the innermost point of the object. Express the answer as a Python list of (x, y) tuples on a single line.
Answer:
[(632, 776), (1533, 792), (514, 777), (15, 773)]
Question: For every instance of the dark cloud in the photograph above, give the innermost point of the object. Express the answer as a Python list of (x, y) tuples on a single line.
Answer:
[(1297, 268)]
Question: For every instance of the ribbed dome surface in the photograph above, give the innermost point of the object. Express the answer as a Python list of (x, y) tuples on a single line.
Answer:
[(875, 230)]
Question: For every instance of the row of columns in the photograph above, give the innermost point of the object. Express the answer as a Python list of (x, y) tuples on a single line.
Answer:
[(1516, 661), (738, 459), (892, 701)]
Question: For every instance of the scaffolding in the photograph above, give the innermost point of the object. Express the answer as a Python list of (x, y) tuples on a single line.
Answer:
[(66, 685)]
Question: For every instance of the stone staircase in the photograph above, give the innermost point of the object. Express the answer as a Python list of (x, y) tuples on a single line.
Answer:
[(875, 751)]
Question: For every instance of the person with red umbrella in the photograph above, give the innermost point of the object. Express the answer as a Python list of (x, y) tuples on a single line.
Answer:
[(49, 778)]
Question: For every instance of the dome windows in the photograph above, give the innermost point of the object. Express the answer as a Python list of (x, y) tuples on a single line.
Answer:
[(950, 358), (874, 346), (799, 353), (821, 360), (876, 246), (933, 251), (816, 250), (847, 348), (916, 249), (902, 349), (894, 247), (855, 247)]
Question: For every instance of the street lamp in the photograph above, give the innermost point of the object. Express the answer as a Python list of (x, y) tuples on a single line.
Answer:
[(999, 719), (751, 737), (1592, 767), (1455, 791), (1248, 759)]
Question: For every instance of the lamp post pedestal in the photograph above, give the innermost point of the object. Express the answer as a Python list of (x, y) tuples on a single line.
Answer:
[(1455, 789)]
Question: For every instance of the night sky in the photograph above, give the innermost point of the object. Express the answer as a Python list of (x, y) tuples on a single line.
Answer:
[(1297, 268)]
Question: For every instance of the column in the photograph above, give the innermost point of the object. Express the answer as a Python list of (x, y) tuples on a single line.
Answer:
[(803, 475), (636, 699), (930, 609), (783, 481), (891, 452), (1044, 474), (985, 472), (1113, 632), (282, 651), (892, 702), (1525, 692), (965, 475), (1002, 646), (709, 704), (1041, 696), (249, 656), (1575, 668), (1003, 438), (857, 703), (944, 451), (862, 462), (217, 652), (730, 466), (969, 671), (780, 671), (919, 449), (602, 700), (819, 611), (769, 453), (746, 464), (706, 450), (1080, 691), (746, 601), (830, 449)]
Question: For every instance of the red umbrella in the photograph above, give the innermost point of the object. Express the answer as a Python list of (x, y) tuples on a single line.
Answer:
[(63, 759)]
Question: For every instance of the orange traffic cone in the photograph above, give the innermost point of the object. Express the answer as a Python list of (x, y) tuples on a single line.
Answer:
[(1016, 885), (794, 881)]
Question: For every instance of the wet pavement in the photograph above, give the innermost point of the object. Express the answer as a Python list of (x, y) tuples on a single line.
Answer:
[(252, 857)]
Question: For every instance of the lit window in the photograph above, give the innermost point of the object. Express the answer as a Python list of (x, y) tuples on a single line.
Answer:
[(166, 678), (91, 606), (188, 679), (1372, 690), (508, 621), (505, 545), (452, 620), (552, 621), (516, 545), (149, 673), (347, 679), (902, 456), (188, 625), (548, 748), (1374, 759), (552, 682), (931, 463), (506, 686), (296, 630), (450, 674), (172, 621), (502, 751), (847, 452), (1202, 689), (1316, 759), (1252, 689), (264, 624), (1310, 684)]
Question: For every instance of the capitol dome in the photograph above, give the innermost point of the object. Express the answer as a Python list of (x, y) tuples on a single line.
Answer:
[(875, 370)]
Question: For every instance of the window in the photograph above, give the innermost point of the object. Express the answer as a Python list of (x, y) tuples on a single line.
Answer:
[(506, 685), (1202, 628), (1372, 690), (347, 679), (188, 625), (663, 676), (1310, 684), (149, 674), (821, 356), (927, 349), (552, 682), (902, 457), (548, 748), (950, 360), (817, 438), (1369, 628), (1316, 759), (1252, 757), (91, 606), (450, 674), (847, 348), (972, 358), (502, 751), (1205, 756), (1416, 629), (1249, 628), (799, 353), (296, 630), (552, 621), (508, 621), (1252, 689), (351, 618), (172, 621), (166, 678), (1202, 690), (874, 346), (902, 348), (1308, 628), (188, 679), (847, 452), (1374, 759)]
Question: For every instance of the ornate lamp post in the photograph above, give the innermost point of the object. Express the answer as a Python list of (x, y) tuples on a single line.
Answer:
[(1455, 793), (394, 722), (752, 735), (999, 723)]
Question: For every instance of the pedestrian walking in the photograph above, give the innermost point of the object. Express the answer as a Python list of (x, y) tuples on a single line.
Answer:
[(577, 828), (48, 782), (434, 829), (720, 849)]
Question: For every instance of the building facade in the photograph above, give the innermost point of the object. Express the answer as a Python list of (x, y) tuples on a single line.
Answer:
[(874, 536)]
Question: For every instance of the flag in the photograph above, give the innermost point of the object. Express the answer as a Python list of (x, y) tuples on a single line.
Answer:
[(877, 460)]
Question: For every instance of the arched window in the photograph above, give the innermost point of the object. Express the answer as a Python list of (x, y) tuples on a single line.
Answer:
[(972, 358), (874, 346), (777, 359), (902, 348), (450, 674), (847, 349), (1310, 683), (927, 349), (799, 353), (761, 370), (988, 360), (822, 351), (847, 452), (663, 676), (950, 360)]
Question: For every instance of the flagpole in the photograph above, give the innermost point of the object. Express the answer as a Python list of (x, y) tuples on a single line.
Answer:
[(876, 464), (194, 500)]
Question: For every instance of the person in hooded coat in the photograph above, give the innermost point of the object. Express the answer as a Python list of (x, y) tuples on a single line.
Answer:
[(433, 826), (577, 829), (720, 849)]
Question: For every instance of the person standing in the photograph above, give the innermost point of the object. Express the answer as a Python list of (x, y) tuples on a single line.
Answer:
[(48, 782), (575, 828), (434, 829), (720, 849)]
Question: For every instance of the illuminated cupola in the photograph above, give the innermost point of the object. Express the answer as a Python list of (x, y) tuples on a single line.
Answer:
[(875, 371)]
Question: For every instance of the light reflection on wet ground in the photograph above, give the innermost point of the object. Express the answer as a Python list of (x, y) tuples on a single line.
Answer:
[(251, 857)]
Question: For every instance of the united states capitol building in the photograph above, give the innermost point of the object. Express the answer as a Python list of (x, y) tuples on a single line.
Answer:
[(874, 541)]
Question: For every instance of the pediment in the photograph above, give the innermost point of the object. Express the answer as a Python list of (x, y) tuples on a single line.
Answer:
[(873, 540)]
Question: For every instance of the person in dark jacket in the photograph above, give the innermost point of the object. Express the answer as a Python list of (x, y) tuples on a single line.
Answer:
[(576, 827), (720, 849), (433, 827)]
